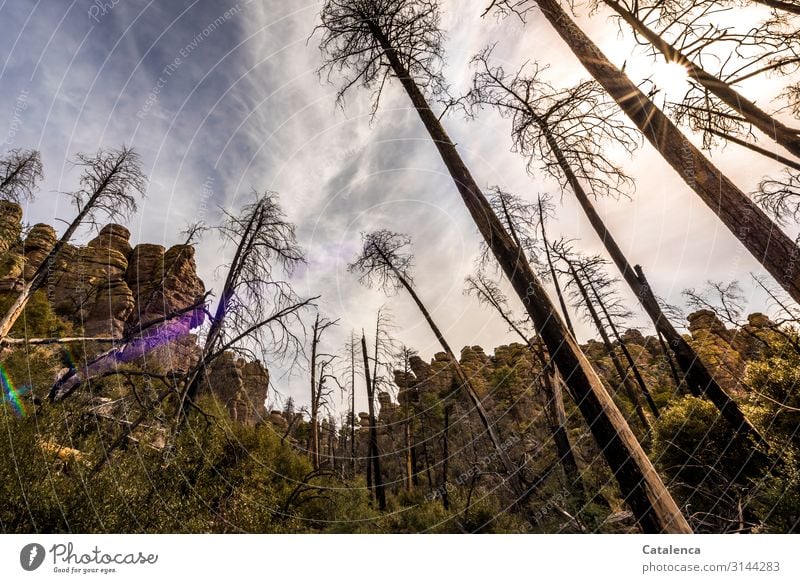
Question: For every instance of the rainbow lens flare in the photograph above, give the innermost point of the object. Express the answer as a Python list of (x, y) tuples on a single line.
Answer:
[(12, 395)]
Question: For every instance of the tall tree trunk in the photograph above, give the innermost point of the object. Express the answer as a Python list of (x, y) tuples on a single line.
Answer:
[(668, 357), (313, 436), (553, 274), (551, 388), (353, 403), (631, 362), (763, 238), (641, 487), (698, 377), (785, 136), (374, 459), (446, 457), (44, 270), (512, 471), (624, 379), (780, 5), (757, 149)]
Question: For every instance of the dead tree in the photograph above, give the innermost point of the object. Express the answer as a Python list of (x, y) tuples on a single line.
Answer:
[(523, 226), (489, 293), (763, 238), (566, 150), (603, 293), (727, 301), (378, 39), (583, 298), (373, 456), (20, 170), (110, 181), (410, 459), (749, 112), (257, 312), (317, 386), (352, 353), (386, 262)]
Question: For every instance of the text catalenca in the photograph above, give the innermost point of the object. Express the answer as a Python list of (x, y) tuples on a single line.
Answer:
[(670, 550)]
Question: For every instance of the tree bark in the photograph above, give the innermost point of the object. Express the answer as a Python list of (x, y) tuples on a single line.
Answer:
[(762, 237), (780, 5), (511, 470), (785, 136), (313, 436), (44, 269), (623, 376), (626, 353), (698, 377), (641, 487), (373, 458)]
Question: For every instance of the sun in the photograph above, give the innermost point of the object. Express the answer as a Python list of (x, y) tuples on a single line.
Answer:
[(671, 78)]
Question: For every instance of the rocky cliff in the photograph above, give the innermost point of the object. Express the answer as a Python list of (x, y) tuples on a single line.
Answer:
[(109, 288)]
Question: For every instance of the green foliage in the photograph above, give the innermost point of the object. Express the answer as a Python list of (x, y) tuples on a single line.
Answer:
[(38, 320), (218, 477)]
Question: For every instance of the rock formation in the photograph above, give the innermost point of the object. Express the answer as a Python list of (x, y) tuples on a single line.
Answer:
[(110, 289)]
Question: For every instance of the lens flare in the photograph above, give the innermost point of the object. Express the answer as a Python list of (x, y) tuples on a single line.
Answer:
[(12, 395), (671, 78)]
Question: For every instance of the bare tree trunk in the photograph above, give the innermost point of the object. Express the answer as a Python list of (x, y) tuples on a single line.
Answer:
[(373, 459), (313, 437), (631, 363), (641, 487), (623, 375), (757, 149), (353, 403), (762, 237), (780, 5), (446, 456), (512, 471), (698, 377), (43, 271), (668, 357), (785, 136), (553, 273)]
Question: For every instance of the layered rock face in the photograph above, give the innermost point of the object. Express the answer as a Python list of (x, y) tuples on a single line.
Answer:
[(109, 289), (240, 385)]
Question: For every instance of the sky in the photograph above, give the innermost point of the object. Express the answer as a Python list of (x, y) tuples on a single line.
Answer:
[(222, 97)]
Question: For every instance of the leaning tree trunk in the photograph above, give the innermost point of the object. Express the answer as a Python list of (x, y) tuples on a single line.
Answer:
[(556, 415), (780, 5), (313, 437), (373, 458), (626, 353), (697, 376), (553, 274), (511, 470), (641, 487), (783, 135), (612, 354), (762, 237), (557, 419), (44, 270)]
